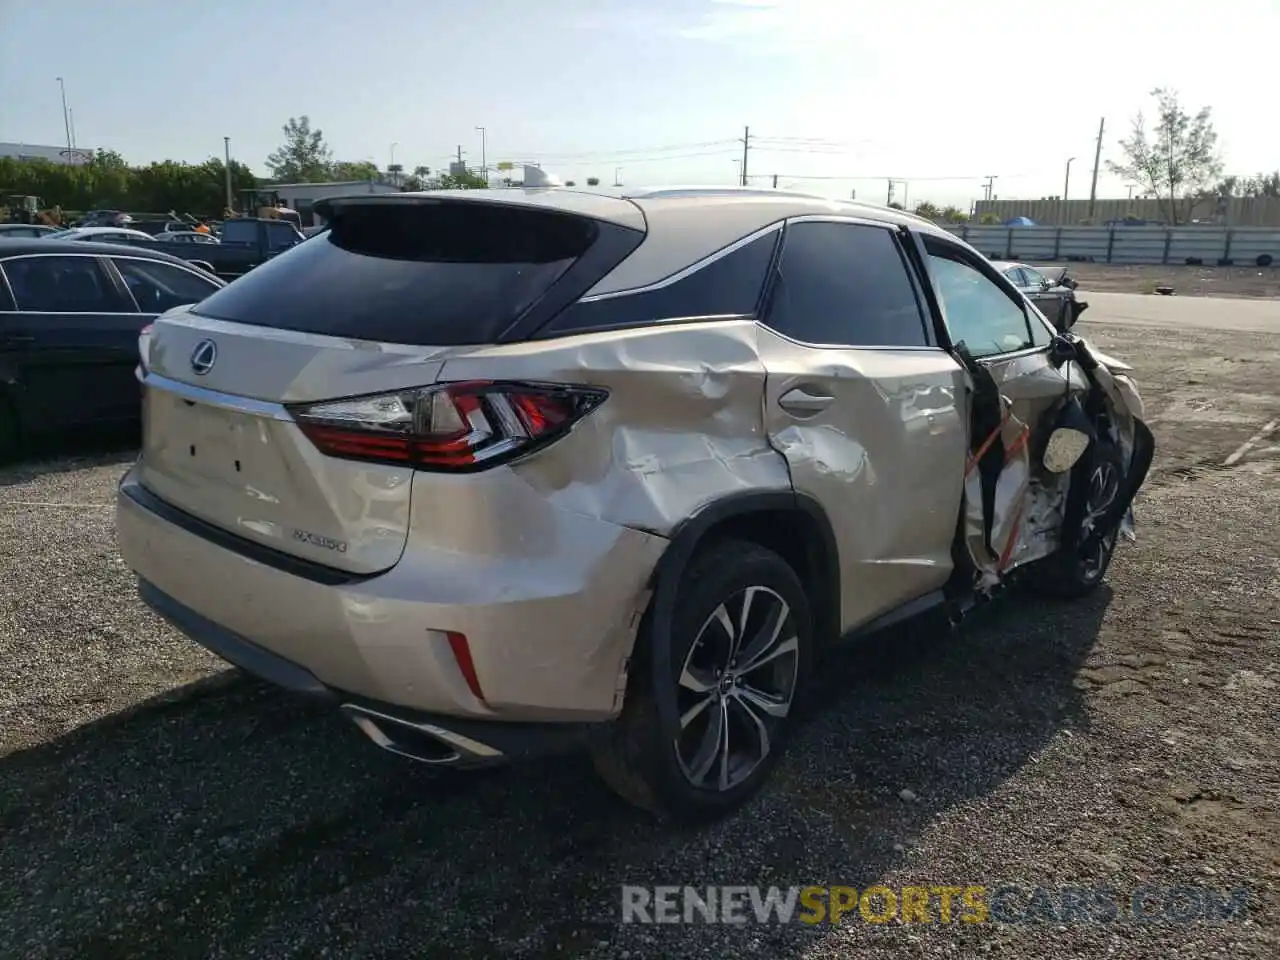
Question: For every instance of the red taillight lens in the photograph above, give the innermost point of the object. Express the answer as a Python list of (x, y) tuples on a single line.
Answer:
[(458, 427)]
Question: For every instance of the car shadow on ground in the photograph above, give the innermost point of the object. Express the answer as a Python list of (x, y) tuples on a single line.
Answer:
[(229, 819)]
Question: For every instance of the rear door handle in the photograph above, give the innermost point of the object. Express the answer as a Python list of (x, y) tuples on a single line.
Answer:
[(803, 403)]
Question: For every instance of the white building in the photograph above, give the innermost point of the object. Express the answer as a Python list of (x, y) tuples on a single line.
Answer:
[(303, 196), (38, 151)]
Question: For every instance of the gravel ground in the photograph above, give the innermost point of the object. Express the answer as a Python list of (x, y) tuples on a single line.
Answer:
[(154, 804), (1207, 281)]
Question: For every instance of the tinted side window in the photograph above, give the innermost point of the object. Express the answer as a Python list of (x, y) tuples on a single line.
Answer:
[(240, 231), (61, 285), (157, 287), (729, 286), (845, 284), (979, 313), (281, 236)]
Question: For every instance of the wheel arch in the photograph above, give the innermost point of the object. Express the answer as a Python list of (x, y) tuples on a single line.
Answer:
[(794, 525)]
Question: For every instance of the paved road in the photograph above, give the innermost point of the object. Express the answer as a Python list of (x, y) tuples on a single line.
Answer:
[(1209, 313)]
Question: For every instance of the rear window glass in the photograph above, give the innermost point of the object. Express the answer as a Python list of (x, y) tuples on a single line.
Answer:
[(416, 273)]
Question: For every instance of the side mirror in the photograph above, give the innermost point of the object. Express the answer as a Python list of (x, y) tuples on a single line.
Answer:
[(1061, 350)]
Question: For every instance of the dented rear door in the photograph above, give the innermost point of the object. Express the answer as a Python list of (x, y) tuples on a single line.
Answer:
[(866, 409)]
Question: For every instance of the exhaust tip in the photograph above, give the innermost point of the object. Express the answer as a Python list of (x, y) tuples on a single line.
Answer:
[(424, 742), (401, 738)]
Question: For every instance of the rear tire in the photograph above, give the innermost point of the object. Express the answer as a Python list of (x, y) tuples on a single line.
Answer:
[(698, 741), (1068, 574)]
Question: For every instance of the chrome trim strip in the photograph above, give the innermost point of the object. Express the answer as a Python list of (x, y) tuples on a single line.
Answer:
[(691, 269), (846, 218), (214, 398)]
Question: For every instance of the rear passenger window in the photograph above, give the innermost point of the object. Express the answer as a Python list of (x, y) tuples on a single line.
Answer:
[(729, 286), (61, 284), (845, 284)]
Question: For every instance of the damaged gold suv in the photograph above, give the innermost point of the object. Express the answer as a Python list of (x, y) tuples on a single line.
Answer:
[(507, 471)]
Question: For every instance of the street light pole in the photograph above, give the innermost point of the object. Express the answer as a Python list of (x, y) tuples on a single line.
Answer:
[(66, 117), (484, 156), (226, 149), (617, 176), (392, 162), (1066, 184)]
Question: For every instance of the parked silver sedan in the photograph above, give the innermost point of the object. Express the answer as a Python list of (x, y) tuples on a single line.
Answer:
[(1051, 297)]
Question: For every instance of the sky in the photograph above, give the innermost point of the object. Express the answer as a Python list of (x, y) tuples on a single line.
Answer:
[(839, 95)]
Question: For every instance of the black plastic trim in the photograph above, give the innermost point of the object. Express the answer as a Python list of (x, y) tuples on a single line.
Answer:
[(514, 739), (267, 556), (727, 286), (232, 647), (613, 244), (918, 258), (689, 535)]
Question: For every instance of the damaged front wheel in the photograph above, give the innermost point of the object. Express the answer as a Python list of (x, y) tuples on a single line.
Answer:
[(1080, 564)]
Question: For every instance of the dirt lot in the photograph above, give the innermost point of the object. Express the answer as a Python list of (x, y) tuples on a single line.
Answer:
[(154, 805), (1250, 282)]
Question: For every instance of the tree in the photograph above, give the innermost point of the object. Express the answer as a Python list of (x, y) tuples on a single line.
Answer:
[(593, 181), (357, 170), (927, 210), (895, 205), (461, 181), (954, 215), (106, 182), (1178, 161), (1263, 185), (989, 220), (570, 183), (304, 157)]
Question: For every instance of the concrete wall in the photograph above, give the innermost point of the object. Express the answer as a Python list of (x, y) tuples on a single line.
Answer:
[(1150, 245), (1236, 211)]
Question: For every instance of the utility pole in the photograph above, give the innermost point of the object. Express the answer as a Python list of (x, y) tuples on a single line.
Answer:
[(888, 200), (989, 187), (226, 149), (1097, 159), (617, 176), (775, 181), (746, 145), (484, 156), (459, 153), (66, 118)]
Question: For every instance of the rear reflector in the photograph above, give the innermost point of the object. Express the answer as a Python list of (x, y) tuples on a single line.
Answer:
[(454, 427), (462, 654)]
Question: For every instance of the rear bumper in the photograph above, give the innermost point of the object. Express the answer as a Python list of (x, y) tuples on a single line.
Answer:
[(549, 634), (457, 741)]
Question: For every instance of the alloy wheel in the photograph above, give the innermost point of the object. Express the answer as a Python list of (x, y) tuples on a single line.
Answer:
[(1104, 487), (735, 688)]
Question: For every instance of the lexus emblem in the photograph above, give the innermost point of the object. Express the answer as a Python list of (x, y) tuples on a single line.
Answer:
[(203, 357)]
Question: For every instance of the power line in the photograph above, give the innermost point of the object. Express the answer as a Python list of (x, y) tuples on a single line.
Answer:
[(861, 176), (602, 155)]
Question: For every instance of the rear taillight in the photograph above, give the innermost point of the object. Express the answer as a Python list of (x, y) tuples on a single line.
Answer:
[(144, 347), (456, 427)]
